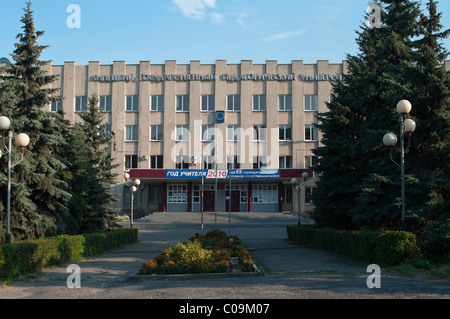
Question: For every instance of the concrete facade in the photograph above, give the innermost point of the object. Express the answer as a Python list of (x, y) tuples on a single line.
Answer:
[(148, 105)]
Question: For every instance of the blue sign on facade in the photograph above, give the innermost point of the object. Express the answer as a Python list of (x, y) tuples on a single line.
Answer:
[(221, 174), (220, 117)]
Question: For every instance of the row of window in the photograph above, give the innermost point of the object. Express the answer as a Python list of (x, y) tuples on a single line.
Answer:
[(233, 133), (182, 103), (184, 162)]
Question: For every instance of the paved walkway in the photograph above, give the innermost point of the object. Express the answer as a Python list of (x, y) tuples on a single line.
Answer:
[(291, 271)]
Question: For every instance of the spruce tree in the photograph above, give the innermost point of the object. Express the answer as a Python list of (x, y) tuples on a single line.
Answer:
[(359, 186), (38, 172), (99, 142)]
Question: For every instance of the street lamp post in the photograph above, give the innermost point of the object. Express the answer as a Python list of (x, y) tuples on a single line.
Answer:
[(133, 188), (407, 126), (22, 140), (298, 188)]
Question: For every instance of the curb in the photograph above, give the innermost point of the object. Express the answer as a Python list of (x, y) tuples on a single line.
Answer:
[(154, 277)]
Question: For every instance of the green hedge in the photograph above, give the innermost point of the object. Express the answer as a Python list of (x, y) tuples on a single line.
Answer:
[(382, 248), (24, 257)]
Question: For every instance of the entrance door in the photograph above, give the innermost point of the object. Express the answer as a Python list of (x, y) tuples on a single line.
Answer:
[(208, 201), (235, 201)]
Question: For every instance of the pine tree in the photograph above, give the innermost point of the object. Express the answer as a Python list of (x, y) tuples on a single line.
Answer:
[(359, 186), (39, 170)]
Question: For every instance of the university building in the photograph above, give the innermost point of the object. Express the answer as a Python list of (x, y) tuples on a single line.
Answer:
[(233, 134)]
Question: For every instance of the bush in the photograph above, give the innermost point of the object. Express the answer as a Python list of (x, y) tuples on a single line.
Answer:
[(383, 248), (29, 256), (208, 253)]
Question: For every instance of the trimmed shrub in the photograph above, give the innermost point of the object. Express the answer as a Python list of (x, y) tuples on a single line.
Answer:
[(24, 257), (383, 248)]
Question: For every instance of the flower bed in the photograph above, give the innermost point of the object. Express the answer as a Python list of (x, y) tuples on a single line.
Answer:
[(200, 254)]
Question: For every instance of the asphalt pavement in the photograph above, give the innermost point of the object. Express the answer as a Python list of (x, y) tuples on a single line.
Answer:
[(291, 272)]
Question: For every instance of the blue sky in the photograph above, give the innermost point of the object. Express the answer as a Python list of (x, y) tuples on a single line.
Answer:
[(185, 30)]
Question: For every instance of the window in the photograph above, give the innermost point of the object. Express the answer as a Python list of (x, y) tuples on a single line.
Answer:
[(177, 194), (208, 133), (233, 133), (233, 163), (182, 132), (156, 161), (308, 195), (259, 102), (285, 162), (310, 161), (105, 103), (131, 133), (56, 106), (80, 103), (196, 194), (208, 103), (259, 162), (259, 133), (157, 103), (311, 103), (132, 103), (156, 133), (285, 102), (183, 103), (234, 103), (208, 162), (127, 195), (311, 133), (107, 130), (285, 133), (182, 162), (262, 193), (131, 161)]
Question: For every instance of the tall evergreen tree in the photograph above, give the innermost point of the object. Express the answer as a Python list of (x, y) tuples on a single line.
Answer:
[(99, 143), (39, 170), (359, 186)]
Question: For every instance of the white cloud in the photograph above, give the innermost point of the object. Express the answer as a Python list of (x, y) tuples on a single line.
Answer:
[(284, 35), (241, 19), (194, 8), (217, 17)]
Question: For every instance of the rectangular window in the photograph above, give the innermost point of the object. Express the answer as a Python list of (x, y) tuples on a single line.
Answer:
[(311, 103), (233, 133), (310, 161), (233, 163), (259, 133), (105, 103), (132, 103), (208, 103), (182, 132), (156, 132), (182, 162), (207, 132), (285, 133), (265, 193), (131, 161), (177, 193), (157, 103), (234, 103), (259, 102), (258, 162), (183, 103), (285, 162), (208, 162), (156, 161), (56, 106), (80, 103), (131, 133), (311, 133), (308, 195), (285, 102)]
